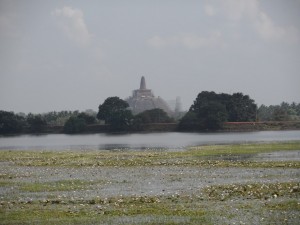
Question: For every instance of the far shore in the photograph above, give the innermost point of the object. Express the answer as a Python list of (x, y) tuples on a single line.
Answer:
[(173, 127)]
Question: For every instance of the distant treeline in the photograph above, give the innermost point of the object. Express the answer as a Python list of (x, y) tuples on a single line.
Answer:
[(282, 112), (77, 122), (11, 123), (208, 112)]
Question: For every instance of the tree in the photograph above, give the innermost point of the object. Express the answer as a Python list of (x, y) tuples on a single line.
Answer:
[(74, 125), (114, 111), (36, 123), (89, 119), (189, 122), (212, 110), (58, 118), (212, 115), (10, 123), (78, 122), (241, 108), (282, 112), (202, 99), (150, 116), (154, 116)]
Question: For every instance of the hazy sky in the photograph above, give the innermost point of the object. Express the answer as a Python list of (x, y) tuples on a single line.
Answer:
[(68, 55)]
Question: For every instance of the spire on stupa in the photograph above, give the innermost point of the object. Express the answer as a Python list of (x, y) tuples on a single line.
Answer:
[(143, 84)]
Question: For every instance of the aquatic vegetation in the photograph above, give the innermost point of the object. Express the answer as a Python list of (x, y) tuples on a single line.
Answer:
[(253, 191), (138, 208), (220, 184), (207, 207), (194, 156), (252, 148), (60, 185)]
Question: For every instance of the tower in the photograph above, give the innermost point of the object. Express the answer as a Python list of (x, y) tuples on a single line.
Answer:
[(143, 83)]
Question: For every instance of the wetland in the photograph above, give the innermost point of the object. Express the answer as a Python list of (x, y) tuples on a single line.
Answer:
[(245, 183)]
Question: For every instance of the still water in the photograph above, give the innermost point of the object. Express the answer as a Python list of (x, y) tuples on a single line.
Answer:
[(168, 140)]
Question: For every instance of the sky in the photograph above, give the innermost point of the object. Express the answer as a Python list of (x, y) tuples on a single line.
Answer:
[(71, 55)]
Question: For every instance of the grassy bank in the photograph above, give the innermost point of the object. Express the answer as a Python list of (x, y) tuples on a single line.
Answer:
[(219, 184)]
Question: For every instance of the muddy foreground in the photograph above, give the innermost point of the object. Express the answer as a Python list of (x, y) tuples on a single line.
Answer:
[(236, 184)]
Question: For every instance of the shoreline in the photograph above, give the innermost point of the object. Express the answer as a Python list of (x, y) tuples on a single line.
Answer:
[(173, 127)]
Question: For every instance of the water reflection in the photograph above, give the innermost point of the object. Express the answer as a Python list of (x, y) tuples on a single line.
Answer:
[(153, 141), (270, 156), (234, 158), (114, 147)]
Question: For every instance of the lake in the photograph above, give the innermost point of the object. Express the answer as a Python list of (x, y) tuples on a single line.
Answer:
[(168, 140)]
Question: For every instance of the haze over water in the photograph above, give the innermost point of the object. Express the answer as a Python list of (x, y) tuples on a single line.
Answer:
[(159, 141)]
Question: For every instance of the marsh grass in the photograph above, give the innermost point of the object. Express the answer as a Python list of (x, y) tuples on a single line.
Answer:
[(138, 210), (214, 204), (253, 191), (172, 209), (6, 176), (4, 183), (194, 156), (60, 185), (238, 149), (285, 205)]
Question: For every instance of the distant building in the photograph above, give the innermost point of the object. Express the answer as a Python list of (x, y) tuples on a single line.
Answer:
[(175, 104), (143, 99)]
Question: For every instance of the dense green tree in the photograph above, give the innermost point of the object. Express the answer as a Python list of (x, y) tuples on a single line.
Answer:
[(210, 110), (209, 116), (212, 115), (202, 99), (154, 116), (238, 107), (74, 125), (189, 122), (89, 119), (10, 123), (36, 123), (241, 108), (150, 116), (114, 111)]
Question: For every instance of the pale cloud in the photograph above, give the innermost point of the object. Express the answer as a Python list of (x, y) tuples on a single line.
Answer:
[(194, 41), (190, 41), (159, 42), (270, 31), (4, 25), (209, 10), (71, 21), (4, 21), (250, 10), (7, 25), (238, 9)]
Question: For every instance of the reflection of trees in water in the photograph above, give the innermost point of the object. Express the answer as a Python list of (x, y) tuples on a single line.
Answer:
[(237, 157), (114, 147), (138, 147)]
